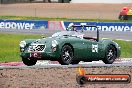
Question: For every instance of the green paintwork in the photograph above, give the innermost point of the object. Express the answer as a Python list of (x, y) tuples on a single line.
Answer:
[(82, 48)]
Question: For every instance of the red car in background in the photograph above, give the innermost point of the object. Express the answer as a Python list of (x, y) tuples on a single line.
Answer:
[(125, 14)]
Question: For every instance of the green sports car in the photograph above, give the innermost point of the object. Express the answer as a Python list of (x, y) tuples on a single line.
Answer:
[(69, 47)]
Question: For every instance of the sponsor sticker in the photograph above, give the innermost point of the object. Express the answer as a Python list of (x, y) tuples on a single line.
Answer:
[(83, 78), (14, 25), (95, 48)]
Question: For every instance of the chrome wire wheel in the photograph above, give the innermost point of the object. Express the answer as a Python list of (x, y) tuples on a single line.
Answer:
[(66, 55), (110, 55)]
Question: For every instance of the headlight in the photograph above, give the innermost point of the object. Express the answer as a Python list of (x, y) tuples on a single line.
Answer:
[(54, 43), (22, 44)]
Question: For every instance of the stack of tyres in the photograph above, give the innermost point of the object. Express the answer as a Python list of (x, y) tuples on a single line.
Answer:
[(64, 1), (125, 14)]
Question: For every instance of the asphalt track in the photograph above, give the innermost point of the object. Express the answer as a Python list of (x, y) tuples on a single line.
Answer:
[(65, 10), (103, 34), (52, 64)]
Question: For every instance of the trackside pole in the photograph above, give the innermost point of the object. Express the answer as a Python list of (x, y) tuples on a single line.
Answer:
[(97, 35)]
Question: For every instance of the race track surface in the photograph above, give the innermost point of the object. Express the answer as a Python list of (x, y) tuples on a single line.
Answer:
[(58, 77), (53, 75), (55, 64), (65, 10), (103, 34)]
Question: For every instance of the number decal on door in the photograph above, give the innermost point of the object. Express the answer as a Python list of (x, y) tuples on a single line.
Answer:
[(95, 48)]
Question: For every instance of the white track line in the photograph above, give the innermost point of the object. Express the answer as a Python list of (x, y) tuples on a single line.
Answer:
[(124, 60), (117, 39)]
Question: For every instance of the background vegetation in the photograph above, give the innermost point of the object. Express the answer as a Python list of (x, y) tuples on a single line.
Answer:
[(59, 19)]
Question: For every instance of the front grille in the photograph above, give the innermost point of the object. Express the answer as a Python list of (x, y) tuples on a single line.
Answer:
[(36, 48)]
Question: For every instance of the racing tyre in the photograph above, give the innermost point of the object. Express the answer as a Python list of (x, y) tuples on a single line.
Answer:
[(110, 55), (29, 62), (123, 17), (66, 55)]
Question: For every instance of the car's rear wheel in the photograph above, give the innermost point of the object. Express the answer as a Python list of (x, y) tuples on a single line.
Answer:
[(66, 55), (110, 55), (29, 62)]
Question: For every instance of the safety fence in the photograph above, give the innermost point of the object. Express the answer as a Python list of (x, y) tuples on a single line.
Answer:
[(62, 25), (33, 1)]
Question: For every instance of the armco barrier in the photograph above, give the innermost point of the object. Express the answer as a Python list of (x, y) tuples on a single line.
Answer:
[(23, 24), (101, 1), (103, 26), (60, 25)]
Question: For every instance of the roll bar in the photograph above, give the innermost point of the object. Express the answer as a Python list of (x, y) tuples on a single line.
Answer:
[(73, 26)]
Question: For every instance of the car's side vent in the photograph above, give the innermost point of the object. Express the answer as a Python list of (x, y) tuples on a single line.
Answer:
[(36, 48)]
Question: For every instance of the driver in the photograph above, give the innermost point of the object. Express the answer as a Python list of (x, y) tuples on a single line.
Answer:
[(71, 28)]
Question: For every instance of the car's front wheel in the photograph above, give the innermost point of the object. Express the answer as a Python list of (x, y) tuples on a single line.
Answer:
[(29, 62), (66, 55), (110, 55)]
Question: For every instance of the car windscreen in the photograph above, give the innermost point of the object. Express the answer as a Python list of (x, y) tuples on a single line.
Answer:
[(68, 33)]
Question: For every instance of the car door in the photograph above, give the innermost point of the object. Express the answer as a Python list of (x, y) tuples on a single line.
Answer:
[(94, 49), (80, 49)]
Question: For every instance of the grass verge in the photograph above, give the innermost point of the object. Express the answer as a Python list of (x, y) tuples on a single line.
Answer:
[(126, 48), (9, 46), (59, 19)]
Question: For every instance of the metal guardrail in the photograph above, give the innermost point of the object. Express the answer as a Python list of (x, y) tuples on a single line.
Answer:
[(33, 1), (14, 1)]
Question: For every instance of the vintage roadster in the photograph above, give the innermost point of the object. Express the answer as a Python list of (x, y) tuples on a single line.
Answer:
[(69, 47)]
